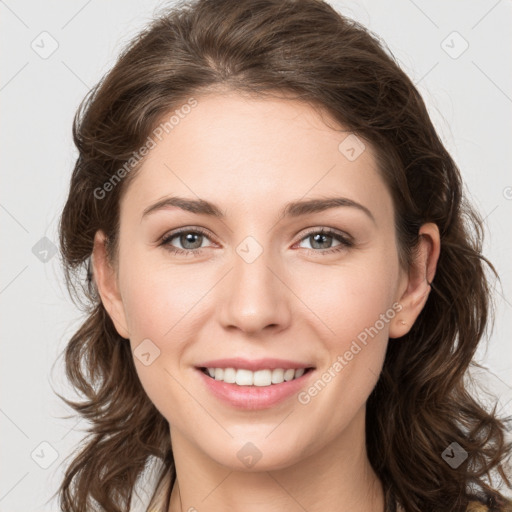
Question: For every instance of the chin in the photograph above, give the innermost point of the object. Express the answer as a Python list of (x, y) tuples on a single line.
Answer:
[(255, 453)]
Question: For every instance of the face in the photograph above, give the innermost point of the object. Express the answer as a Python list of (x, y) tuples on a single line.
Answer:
[(258, 279)]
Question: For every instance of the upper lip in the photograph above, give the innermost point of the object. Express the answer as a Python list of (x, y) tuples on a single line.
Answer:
[(266, 363)]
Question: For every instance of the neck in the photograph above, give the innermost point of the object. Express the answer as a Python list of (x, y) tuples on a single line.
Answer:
[(338, 477)]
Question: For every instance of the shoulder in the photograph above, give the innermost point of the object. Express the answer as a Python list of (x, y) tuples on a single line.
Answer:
[(478, 506)]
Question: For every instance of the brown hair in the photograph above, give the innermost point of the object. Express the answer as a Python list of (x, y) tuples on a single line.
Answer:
[(305, 49)]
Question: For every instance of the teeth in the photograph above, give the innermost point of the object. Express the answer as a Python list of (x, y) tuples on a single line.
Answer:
[(229, 375), (277, 376), (289, 374), (299, 372), (260, 378), (244, 378)]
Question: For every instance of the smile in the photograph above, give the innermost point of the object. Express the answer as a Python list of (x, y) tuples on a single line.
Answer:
[(253, 390), (260, 378)]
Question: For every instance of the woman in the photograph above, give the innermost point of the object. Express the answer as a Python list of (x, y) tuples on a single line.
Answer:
[(285, 282)]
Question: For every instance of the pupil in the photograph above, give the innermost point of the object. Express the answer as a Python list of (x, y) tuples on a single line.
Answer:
[(189, 238), (324, 244)]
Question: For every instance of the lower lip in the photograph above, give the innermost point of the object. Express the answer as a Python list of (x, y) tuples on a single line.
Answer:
[(254, 397)]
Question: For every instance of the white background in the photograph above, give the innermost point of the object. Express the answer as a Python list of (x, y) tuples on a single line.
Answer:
[(469, 98)]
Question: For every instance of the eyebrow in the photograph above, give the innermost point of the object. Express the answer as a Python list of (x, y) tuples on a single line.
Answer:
[(292, 209)]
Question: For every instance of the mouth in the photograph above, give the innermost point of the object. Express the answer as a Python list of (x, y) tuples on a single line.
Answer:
[(249, 390), (258, 378)]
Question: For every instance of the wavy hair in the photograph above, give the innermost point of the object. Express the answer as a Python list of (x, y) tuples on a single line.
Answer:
[(308, 51)]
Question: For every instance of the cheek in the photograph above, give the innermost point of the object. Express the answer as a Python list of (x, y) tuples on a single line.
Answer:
[(159, 307), (350, 298), (355, 307), (158, 297)]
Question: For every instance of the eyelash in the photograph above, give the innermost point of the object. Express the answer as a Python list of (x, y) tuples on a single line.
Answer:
[(176, 250), (345, 241)]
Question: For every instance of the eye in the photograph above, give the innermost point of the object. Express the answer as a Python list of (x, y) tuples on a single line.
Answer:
[(321, 241), (191, 241)]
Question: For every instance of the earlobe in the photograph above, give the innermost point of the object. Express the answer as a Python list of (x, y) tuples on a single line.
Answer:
[(420, 276), (106, 281)]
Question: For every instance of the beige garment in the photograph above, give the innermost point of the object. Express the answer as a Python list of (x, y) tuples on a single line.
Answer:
[(159, 503)]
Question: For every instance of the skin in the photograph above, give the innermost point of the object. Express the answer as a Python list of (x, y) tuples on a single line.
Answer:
[(250, 157)]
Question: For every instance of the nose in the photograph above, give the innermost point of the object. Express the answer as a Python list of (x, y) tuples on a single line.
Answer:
[(256, 296)]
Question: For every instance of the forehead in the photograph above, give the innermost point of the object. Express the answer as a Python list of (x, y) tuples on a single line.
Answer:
[(256, 153)]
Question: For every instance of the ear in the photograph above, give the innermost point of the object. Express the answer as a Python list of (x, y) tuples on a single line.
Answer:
[(414, 293), (105, 278)]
